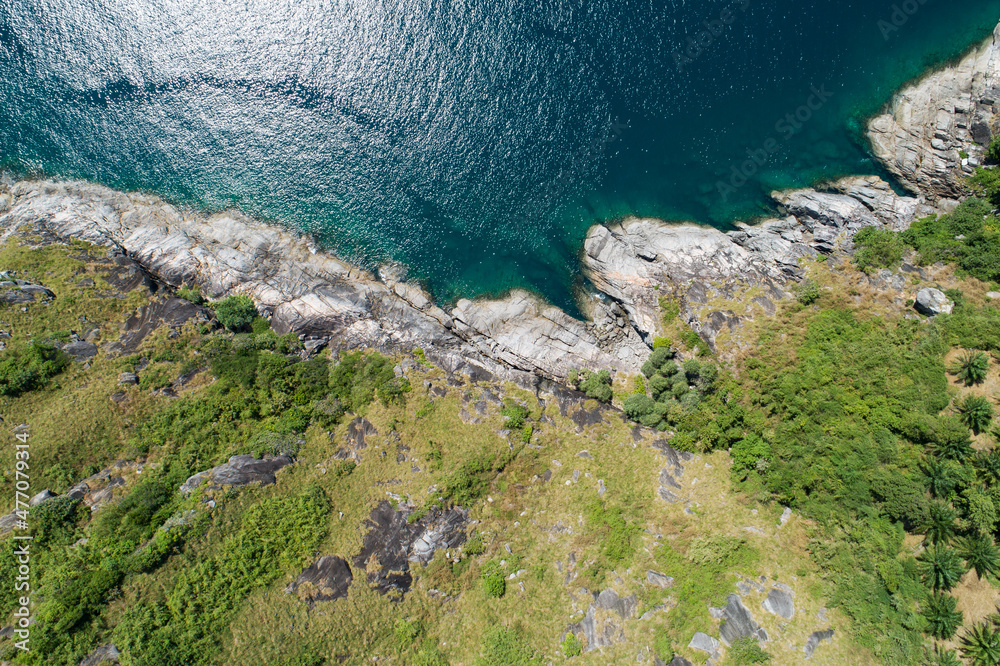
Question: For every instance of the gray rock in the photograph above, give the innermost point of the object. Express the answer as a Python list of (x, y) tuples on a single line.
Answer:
[(103, 654), (993, 295), (129, 378), (659, 580), (326, 579), (240, 470), (393, 541), (780, 602), (80, 351), (928, 124), (814, 640), (244, 469), (739, 622), (785, 515), (315, 294), (679, 661), (624, 261), (625, 606), (703, 643), (932, 302), (41, 497)]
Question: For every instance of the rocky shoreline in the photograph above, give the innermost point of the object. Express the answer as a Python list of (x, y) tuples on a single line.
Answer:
[(932, 133)]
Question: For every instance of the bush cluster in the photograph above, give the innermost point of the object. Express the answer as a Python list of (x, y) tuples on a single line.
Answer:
[(29, 367), (675, 390)]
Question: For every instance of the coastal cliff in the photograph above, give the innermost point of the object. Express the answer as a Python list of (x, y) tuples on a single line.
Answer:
[(934, 132), (921, 139)]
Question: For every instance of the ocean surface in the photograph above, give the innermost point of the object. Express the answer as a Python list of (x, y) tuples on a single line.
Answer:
[(474, 142)]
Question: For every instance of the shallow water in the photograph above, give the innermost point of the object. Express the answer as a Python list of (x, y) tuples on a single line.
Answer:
[(474, 143)]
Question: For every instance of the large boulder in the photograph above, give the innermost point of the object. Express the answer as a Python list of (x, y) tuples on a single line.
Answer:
[(739, 622), (780, 602), (240, 470), (931, 302)]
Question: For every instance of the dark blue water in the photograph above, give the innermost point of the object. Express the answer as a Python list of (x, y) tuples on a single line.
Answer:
[(475, 142)]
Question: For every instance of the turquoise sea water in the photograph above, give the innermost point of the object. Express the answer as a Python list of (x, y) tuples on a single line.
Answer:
[(475, 142)]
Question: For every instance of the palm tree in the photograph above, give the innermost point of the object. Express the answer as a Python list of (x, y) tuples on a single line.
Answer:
[(941, 657), (988, 467), (941, 477), (954, 448), (939, 526), (980, 554), (941, 567), (942, 618), (976, 413), (972, 367), (981, 645)]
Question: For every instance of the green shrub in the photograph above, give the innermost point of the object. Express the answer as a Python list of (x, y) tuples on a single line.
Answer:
[(748, 453), (474, 545), (359, 377), (596, 385), (494, 581), (745, 651), (572, 646), (506, 647), (514, 415), (981, 643), (235, 312), (192, 293), (669, 309), (969, 236), (662, 343), (877, 248), (636, 406), (25, 368), (942, 618), (992, 153), (807, 292), (941, 567), (53, 522), (976, 413)]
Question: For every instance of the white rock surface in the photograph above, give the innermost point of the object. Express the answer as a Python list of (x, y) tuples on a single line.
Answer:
[(926, 125)]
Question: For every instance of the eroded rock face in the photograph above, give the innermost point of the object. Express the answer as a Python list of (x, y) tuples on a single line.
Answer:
[(392, 543), (239, 471), (739, 622), (603, 626), (639, 260), (314, 293), (920, 137), (326, 579), (169, 311)]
